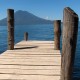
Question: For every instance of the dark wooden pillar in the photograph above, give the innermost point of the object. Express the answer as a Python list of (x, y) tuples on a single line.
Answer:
[(26, 36), (57, 33), (69, 40), (10, 23)]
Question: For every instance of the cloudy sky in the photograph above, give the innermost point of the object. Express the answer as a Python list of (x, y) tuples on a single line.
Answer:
[(48, 9)]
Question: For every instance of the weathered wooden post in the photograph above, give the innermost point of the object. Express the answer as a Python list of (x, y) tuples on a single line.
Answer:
[(57, 33), (10, 22), (26, 36), (69, 40)]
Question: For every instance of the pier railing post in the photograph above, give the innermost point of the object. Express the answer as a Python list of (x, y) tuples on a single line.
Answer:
[(57, 33), (26, 36), (10, 22), (69, 40)]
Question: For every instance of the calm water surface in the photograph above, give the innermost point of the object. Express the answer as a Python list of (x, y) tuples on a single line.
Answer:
[(38, 32)]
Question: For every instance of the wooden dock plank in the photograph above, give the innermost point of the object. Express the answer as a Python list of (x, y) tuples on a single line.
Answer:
[(28, 77), (30, 67), (31, 60)]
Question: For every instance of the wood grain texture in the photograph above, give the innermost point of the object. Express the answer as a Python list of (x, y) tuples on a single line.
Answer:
[(69, 40), (57, 34), (31, 60), (10, 22)]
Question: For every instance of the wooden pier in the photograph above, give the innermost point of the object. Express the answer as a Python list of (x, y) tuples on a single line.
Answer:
[(41, 60), (31, 60)]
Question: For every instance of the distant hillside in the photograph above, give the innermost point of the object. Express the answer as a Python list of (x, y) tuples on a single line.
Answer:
[(25, 18)]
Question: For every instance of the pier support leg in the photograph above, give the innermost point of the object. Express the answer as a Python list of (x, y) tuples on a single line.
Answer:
[(26, 36), (69, 40), (57, 33), (10, 22)]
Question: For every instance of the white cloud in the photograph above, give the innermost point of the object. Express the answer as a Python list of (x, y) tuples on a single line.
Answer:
[(47, 17)]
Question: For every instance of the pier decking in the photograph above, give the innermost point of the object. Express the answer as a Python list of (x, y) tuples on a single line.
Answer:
[(31, 60), (41, 60)]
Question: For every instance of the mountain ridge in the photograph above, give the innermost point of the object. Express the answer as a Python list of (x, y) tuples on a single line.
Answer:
[(26, 18)]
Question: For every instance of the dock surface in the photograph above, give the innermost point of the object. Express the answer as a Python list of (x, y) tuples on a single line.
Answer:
[(31, 60)]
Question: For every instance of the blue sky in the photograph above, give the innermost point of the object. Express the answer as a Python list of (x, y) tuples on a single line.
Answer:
[(48, 9)]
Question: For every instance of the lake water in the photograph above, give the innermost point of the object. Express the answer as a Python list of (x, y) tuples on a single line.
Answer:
[(38, 32)]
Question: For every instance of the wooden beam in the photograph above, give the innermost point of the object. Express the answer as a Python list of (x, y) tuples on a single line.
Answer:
[(57, 33), (69, 40), (26, 36), (10, 22)]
